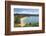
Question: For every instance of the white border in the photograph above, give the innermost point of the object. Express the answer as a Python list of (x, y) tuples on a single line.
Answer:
[(25, 28)]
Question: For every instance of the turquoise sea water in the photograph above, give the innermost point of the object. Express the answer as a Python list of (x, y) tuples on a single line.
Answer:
[(31, 19)]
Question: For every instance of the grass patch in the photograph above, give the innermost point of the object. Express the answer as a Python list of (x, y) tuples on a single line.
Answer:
[(28, 25)]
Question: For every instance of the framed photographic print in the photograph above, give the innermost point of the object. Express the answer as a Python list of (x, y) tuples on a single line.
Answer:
[(24, 17)]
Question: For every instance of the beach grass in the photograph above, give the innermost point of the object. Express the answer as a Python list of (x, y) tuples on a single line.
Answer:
[(27, 25)]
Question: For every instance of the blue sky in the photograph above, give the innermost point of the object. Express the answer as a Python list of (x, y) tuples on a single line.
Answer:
[(26, 11)]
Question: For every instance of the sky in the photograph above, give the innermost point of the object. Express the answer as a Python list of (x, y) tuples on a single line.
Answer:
[(26, 11)]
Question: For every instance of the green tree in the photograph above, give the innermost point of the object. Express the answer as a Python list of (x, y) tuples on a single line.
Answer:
[(16, 19)]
